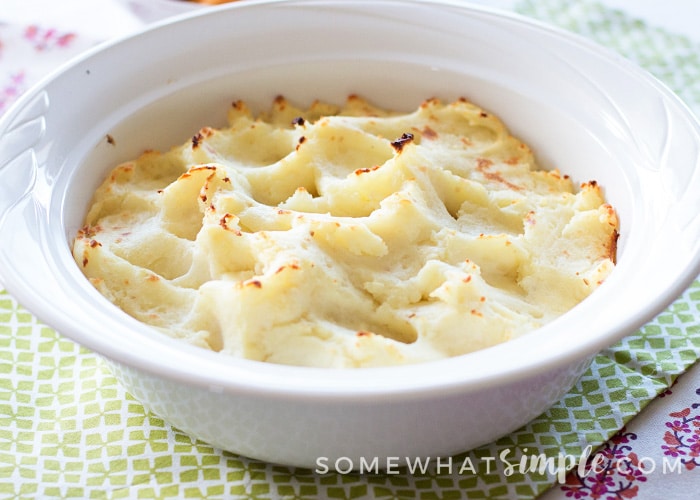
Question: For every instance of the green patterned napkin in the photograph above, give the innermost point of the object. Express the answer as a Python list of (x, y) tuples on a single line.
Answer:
[(69, 430)]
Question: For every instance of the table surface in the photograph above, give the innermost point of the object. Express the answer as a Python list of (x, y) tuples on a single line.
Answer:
[(654, 448)]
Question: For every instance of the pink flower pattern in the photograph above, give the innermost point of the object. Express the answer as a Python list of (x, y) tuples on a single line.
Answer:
[(18, 70), (11, 88), (682, 436), (46, 39), (612, 473)]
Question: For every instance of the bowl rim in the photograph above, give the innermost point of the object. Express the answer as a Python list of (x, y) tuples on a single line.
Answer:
[(193, 366)]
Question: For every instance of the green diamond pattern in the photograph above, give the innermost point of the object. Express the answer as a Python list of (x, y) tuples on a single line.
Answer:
[(69, 430)]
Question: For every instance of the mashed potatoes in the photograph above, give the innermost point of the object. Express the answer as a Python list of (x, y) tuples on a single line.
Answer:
[(346, 237)]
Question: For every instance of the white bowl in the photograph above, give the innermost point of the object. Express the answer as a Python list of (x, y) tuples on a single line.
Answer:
[(155, 10), (582, 108)]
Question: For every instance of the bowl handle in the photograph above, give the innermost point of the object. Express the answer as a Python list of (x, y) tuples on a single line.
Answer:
[(18, 158)]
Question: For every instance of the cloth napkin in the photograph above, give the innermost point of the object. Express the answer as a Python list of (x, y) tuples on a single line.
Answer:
[(68, 429)]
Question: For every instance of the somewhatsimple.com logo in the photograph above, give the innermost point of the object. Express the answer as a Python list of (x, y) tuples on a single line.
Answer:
[(506, 463)]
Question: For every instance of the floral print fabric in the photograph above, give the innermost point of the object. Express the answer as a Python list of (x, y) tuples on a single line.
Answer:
[(655, 455), (28, 53)]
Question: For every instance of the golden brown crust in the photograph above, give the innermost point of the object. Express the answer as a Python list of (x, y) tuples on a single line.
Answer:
[(347, 236), (212, 2)]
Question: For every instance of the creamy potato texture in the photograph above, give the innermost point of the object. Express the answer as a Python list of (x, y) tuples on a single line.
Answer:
[(347, 236)]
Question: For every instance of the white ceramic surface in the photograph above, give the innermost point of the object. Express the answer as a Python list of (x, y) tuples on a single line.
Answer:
[(582, 108), (155, 10)]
